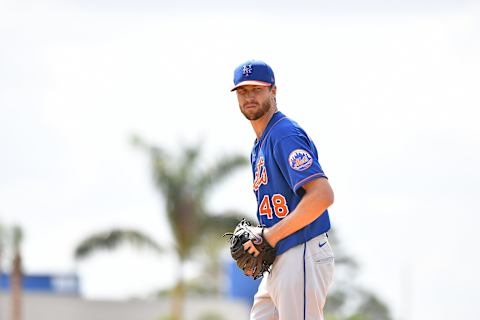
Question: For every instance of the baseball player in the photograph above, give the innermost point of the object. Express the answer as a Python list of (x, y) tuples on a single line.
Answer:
[(293, 195)]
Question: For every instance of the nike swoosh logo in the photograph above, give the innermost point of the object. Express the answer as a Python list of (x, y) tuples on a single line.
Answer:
[(322, 244)]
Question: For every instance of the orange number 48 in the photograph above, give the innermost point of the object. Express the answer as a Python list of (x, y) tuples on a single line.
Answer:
[(279, 204)]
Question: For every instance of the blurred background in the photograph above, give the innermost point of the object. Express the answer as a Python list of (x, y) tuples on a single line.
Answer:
[(121, 143)]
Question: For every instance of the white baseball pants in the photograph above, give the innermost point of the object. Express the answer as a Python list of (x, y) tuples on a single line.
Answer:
[(296, 289)]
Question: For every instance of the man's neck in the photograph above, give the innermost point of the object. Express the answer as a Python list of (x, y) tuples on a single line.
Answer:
[(260, 124)]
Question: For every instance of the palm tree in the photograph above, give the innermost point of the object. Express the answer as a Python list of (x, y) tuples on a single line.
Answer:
[(185, 187), (16, 275)]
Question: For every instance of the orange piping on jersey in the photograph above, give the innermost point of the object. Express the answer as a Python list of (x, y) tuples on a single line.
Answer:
[(300, 182), (263, 174), (265, 139)]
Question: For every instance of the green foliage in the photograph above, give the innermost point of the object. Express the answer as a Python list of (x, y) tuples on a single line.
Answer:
[(185, 185), (11, 239), (373, 308), (112, 239), (17, 237), (347, 301)]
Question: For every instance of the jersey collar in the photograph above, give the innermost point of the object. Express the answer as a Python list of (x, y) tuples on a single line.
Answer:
[(275, 117)]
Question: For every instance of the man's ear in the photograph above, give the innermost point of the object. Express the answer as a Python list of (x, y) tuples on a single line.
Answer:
[(274, 89)]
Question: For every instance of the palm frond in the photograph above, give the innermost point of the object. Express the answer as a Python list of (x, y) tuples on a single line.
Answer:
[(17, 238), (3, 235), (184, 185), (159, 162), (190, 156), (220, 171), (110, 240), (221, 223)]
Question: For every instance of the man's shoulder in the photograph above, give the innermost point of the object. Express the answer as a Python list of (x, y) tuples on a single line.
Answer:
[(284, 128)]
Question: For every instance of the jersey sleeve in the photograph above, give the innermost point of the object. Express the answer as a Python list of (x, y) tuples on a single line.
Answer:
[(297, 158)]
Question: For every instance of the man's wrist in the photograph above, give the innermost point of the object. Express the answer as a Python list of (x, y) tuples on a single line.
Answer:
[(270, 237)]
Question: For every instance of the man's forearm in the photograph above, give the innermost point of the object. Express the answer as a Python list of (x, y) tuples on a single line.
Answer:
[(312, 205)]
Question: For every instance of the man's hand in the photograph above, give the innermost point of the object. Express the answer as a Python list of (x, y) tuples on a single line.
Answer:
[(252, 252)]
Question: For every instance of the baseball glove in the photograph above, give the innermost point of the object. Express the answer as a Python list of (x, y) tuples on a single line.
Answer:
[(246, 239)]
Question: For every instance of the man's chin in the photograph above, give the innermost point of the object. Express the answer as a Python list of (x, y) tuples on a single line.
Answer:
[(253, 116)]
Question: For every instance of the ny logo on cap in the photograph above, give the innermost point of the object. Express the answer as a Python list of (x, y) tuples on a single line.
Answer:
[(247, 70)]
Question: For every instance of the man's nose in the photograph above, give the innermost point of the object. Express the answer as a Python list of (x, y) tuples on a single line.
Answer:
[(250, 95)]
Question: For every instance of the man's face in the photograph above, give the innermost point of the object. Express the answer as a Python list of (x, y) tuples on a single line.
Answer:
[(255, 101)]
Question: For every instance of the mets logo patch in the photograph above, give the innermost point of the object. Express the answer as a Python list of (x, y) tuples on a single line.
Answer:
[(247, 70), (300, 160)]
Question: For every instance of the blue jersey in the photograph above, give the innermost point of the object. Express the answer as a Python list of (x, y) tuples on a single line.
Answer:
[(283, 160)]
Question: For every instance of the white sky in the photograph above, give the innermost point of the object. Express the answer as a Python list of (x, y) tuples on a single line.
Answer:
[(389, 93)]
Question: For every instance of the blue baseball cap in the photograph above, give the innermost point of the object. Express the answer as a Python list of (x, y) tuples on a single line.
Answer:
[(253, 72)]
